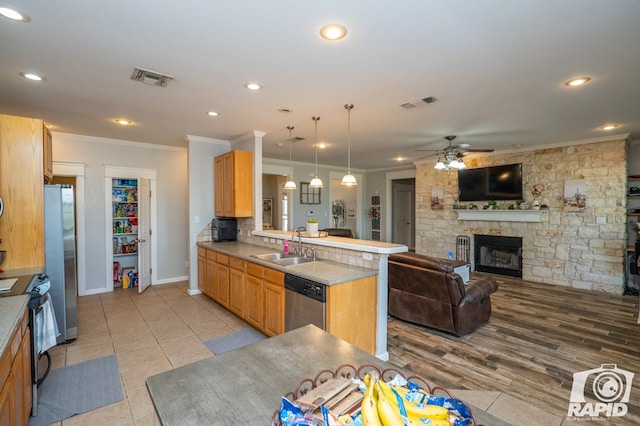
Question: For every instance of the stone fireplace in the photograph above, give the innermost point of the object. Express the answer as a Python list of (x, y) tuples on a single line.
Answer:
[(498, 254)]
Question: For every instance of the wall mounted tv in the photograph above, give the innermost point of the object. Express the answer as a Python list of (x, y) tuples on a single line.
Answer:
[(491, 183)]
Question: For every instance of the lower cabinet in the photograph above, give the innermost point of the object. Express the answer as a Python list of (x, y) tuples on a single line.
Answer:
[(15, 377), (256, 294)]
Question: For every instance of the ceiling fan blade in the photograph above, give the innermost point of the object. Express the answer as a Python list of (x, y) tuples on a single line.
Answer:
[(477, 150)]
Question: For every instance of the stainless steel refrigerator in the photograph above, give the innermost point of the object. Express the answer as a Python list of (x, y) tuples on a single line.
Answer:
[(60, 257)]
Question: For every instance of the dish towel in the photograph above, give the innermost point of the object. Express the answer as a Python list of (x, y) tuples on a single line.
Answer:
[(46, 326)]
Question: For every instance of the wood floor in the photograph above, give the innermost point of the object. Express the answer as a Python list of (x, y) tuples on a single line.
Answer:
[(539, 335)]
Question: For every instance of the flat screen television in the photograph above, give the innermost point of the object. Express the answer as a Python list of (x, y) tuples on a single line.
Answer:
[(490, 183)]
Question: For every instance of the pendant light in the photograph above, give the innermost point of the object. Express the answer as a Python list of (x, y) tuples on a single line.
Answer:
[(316, 182), (290, 183), (349, 179)]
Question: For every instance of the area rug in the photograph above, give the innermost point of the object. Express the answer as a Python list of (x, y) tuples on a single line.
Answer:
[(232, 341), (77, 389)]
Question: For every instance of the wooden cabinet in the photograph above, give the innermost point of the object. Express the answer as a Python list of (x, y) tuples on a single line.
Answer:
[(21, 187), (254, 296), (233, 176), (202, 270), (222, 279), (15, 377), (237, 286), (47, 146), (273, 302), (351, 312), (210, 289)]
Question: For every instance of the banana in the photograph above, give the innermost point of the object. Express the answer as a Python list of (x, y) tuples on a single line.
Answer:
[(432, 412), (388, 412), (369, 410)]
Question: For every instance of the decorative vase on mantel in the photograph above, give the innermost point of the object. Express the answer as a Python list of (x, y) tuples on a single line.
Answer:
[(536, 203)]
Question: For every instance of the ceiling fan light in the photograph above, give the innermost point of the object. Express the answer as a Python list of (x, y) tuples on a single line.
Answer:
[(461, 165), (315, 182), (454, 164), (348, 180), (440, 165)]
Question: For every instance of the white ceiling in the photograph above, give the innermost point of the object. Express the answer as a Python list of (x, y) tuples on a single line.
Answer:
[(497, 68)]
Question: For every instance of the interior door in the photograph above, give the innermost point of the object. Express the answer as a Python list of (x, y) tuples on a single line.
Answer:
[(144, 234), (403, 211)]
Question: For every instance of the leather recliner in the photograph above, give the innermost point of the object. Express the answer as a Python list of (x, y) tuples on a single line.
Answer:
[(426, 291)]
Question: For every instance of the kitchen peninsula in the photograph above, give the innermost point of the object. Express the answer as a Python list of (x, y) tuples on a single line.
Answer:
[(245, 386), (340, 260)]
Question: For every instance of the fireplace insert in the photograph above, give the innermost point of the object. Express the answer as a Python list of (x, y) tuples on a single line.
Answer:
[(498, 254)]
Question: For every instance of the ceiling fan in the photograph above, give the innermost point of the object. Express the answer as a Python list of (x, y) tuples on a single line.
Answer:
[(451, 157)]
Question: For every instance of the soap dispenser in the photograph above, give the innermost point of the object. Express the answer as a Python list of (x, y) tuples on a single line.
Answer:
[(285, 247)]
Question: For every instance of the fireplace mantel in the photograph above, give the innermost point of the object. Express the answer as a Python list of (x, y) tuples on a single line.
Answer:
[(501, 215)]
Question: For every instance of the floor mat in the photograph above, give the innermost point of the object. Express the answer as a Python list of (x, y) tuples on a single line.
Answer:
[(77, 389), (232, 341)]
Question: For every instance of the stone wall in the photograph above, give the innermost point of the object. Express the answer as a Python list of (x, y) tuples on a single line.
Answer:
[(565, 248)]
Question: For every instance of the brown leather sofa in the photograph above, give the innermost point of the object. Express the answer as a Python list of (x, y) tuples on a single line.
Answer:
[(425, 290)]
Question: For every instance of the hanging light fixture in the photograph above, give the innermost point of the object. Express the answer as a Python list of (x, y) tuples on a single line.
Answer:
[(349, 179), (316, 182), (290, 183)]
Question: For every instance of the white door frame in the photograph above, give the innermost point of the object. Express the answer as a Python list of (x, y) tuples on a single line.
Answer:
[(391, 176), (114, 172)]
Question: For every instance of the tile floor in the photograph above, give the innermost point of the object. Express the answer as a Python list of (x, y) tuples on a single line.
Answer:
[(158, 330)]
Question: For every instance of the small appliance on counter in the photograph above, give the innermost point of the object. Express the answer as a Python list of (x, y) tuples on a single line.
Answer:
[(224, 229)]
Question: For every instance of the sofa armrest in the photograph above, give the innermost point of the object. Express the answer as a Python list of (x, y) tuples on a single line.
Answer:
[(478, 289)]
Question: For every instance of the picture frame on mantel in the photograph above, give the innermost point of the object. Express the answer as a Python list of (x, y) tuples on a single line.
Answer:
[(309, 195)]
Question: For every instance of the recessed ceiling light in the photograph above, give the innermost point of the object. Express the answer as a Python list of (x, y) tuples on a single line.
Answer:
[(285, 110), (609, 127), (322, 145), (579, 81), (13, 14), (333, 32), (32, 76), (253, 86), (399, 158), (123, 121), (213, 114)]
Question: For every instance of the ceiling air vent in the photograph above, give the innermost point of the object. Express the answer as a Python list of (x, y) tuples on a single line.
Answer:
[(150, 77), (413, 104)]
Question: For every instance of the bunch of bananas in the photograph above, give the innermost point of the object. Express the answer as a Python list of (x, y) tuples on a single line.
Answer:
[(385, 405)]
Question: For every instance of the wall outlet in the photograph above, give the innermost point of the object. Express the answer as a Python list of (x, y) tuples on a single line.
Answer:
[(240, 231), (367, 256), (601, 220)]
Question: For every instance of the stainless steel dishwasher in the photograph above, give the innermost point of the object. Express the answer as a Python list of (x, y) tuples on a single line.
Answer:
[(304, 303)]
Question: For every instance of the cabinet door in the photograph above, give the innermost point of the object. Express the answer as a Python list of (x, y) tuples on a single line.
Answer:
[(21, 175), (202, 273), (254, 302), (236, 291), (47, 157), (274, 309), (229, 185), (222, 282), (26, 376), (211, 288), (219, 188), (17, 378), (6, 404)]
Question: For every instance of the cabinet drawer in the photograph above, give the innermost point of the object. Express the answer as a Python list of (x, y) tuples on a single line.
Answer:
[(255, 270), (274, 277), (222, 259), (24, 322), (202, 252), (211, 255), (236, 263), (16, 339)]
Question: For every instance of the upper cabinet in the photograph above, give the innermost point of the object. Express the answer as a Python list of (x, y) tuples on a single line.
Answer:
[(233, 176), (47, 155), (21, 188)]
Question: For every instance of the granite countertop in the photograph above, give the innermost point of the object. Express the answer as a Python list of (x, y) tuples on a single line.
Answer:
[(323, 271), (245, 386), (11, 311)]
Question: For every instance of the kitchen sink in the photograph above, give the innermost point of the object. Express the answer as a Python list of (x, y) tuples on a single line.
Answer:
[(283, 259)]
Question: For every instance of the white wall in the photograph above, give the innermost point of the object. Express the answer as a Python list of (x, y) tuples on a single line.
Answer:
[(201, 153), (171, 200)]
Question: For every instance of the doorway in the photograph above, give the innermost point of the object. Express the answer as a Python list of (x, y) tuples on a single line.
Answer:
[(403, 212)]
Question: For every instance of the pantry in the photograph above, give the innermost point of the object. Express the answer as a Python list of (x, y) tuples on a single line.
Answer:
[(128, 212)]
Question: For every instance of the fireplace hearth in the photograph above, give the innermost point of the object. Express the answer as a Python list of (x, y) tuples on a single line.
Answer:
[(498, 254)]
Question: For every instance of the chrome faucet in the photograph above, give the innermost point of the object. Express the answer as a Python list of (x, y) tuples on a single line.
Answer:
[(298, 250)]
